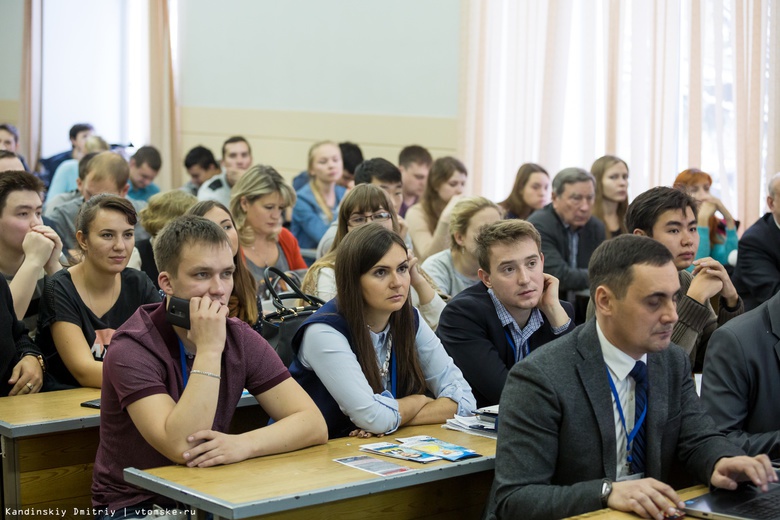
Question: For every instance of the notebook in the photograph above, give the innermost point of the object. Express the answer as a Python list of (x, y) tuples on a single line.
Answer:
[(746, 503)]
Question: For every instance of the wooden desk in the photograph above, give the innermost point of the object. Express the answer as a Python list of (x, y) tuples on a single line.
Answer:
[(308, 484), (609, 514), (49, 441)]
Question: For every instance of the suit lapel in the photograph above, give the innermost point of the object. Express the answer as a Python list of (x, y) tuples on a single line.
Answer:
[(593, 375), (657, 412), (773, 312)]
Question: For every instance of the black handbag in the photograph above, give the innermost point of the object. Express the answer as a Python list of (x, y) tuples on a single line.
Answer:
[(280, 326)]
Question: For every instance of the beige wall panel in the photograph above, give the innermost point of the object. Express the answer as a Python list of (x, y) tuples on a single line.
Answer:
[(9, 111)]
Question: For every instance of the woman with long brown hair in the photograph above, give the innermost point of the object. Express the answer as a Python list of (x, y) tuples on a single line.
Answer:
[(428, 220), (611, 203), (530, 192), (368, 353)]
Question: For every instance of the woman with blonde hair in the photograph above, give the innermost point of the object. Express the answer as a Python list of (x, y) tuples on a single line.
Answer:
[(367, 203), (428, 220), (530, 192), (611, 202), (319, 198), (455, 268), (257, 203), (717, 237), (162, 208), (243, 303)]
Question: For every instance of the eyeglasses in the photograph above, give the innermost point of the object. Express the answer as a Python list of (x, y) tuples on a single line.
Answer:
[(359, 220)]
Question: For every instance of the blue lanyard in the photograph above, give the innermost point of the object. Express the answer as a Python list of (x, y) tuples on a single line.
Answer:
[(514, 347), (185, 375), (629, 436)]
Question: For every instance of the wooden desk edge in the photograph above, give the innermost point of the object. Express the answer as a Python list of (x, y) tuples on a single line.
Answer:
[(230, 510), (48, 426), (13, 431)]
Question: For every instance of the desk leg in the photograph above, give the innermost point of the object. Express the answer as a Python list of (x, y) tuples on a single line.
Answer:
[(11, 489)]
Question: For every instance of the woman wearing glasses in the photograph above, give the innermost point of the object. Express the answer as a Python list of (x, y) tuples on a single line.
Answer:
[(364, 204), (366, 358)]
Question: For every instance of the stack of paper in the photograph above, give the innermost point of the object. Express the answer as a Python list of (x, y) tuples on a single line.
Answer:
[(472, 425)]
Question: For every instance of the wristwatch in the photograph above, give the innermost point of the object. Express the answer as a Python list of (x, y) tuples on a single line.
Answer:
[(606, 490)]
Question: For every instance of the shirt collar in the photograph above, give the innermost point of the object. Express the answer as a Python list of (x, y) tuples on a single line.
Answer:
[(535, 319), (618, 361)]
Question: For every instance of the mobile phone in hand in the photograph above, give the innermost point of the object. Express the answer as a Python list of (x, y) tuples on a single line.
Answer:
[(178, 312)]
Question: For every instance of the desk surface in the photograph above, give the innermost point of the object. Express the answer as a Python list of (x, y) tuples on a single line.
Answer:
[(48, 412), (52, 412), (609, 514), (306, 477)]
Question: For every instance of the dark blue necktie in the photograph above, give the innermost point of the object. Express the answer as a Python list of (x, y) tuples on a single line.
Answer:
[(639, 373)]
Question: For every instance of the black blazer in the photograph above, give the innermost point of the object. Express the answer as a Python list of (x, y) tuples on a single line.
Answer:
[(757, 275), (472, 334)]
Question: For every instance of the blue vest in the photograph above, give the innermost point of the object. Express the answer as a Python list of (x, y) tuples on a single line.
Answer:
[(339, 424)]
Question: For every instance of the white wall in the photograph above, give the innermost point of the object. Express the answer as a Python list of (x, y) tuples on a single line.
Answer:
[(349, 56)]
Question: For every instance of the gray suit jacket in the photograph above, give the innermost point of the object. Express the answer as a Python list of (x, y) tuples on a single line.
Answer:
[(556, 438), (741, 381)]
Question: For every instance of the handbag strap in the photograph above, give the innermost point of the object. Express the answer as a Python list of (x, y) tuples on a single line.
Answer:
[(294, 289)]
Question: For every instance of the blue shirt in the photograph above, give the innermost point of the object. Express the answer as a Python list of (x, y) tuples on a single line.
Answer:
[(143, 193), (521, 335)]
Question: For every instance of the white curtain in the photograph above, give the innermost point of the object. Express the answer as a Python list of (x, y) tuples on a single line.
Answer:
[(30, 92), (665, 85)]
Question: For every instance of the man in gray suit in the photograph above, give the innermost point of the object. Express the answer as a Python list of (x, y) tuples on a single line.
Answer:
[(565, 445), (742, 379)]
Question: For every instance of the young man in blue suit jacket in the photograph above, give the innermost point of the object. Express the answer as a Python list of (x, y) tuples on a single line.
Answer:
[(603, 416), (490, 326)]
